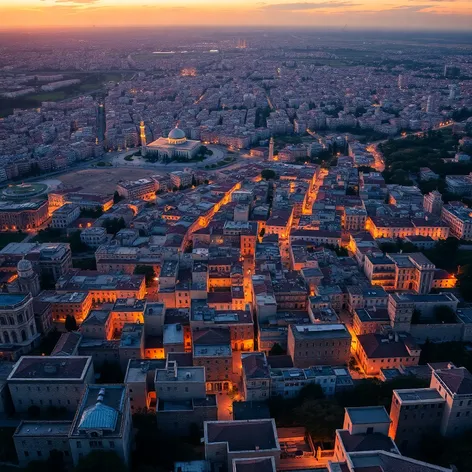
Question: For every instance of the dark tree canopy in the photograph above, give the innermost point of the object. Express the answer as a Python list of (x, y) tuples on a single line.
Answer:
[(101, 461), (268, 174)]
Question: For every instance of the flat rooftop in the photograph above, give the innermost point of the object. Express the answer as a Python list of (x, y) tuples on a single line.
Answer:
[(43, 428), (138, 369), (368, 414), (184, 374), (415, 395), (311, 331), (35, 368), (9, 300), (249, 435)]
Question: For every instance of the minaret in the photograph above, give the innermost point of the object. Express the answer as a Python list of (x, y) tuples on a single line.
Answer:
[(271, 149), (142, 135)]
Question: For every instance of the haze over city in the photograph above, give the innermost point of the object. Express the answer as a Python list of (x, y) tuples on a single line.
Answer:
[(235, 236), (353, 14)]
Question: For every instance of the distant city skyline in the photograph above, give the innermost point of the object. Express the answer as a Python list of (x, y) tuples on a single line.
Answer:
[(351, 14)]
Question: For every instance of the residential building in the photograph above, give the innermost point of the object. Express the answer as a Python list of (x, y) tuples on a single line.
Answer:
[(65, 215), (36, 440), (94, 237), (255, 376), (212, 350), (49, 381), (454, 384), (376, 351), (319, 344), (182, 400), (227, 441), (415, 413), (458, 217), (103, 287)]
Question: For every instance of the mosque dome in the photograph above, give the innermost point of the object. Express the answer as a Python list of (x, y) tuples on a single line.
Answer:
[(176, 136), (24, 268)]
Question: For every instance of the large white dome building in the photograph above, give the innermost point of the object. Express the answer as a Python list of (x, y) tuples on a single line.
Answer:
[(176, 145)]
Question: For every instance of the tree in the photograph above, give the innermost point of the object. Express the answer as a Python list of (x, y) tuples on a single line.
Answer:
[(117, 197), (276, 350), (416, 317), (114, 225), (268, 174), (101, 461), (320, 417), (71, 323), (148, 272), (312, 391)]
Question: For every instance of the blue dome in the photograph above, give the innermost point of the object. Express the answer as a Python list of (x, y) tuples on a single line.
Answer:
[(176, 133)]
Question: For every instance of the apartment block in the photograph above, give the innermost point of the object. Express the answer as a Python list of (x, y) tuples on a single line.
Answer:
[(454, 384), (320, 344), (228, 441), (414, 413), (46, 381), (379, 351)]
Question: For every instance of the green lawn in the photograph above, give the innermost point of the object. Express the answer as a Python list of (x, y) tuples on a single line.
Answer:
[(6, 238), (48, 96)]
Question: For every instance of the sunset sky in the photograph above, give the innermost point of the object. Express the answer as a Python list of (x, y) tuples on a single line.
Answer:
[(374, 14)]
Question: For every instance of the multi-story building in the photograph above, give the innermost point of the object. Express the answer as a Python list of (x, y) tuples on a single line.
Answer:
[(142, 189), (229, 441), (64, 304), (182, 400), (140, 380), (180, 178), (49, 381), (280, 223), (50, 260), (23, 215), (131, 344), (127, 310), (378, 351), (458, 217), (239, 322), (18, 331), (65, 215), (94, 237), (36, 440), (364, 428), (59, 198), (212, 350), (255, 376), (288, 382), (102, 422), (454, 384), (400, 272), (414, 413), (320, 344), (392, 227), (433, 203), (103, 287)]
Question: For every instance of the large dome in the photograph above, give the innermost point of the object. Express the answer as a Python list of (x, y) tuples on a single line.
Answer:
[(24, 268), (176, 136)]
